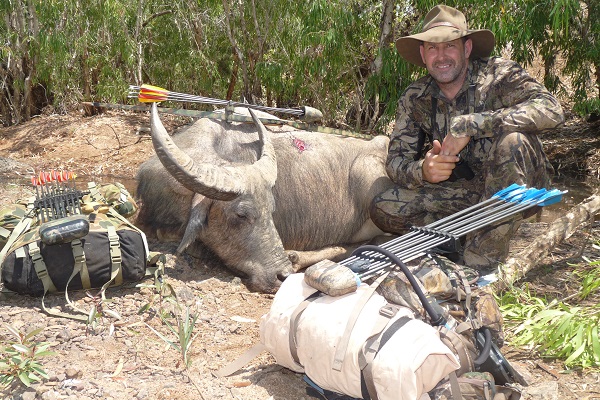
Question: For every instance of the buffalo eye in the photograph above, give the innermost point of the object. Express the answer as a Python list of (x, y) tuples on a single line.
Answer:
[(244, 214)]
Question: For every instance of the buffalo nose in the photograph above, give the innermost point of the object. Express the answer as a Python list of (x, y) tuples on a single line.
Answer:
[(283, 275)]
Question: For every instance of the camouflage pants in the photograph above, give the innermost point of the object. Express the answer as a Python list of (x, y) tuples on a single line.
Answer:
[(497, 163)]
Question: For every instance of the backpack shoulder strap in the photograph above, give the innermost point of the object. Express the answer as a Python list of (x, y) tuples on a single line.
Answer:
[(20, 228)]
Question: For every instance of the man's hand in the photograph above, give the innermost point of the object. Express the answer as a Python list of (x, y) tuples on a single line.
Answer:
[(436, 166), (451, 146)]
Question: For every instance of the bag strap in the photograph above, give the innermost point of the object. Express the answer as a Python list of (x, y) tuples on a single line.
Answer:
[(80, 264), (40, 267), (42, 273), (116, 272), (372, 347), (294, 319), (342, 346), (453, 341), (79, 267), (19, 229), (454, 386)]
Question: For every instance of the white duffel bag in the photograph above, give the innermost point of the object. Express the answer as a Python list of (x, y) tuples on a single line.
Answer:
[(340, 341)]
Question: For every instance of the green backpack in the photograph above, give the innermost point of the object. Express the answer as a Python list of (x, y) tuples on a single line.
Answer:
[(96, 248)]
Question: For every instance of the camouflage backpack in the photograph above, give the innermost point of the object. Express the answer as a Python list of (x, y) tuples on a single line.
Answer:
[(96, 248), (469, 310)]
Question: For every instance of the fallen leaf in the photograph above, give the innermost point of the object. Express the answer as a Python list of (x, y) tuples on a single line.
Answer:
[(240, 384), (119, 368)]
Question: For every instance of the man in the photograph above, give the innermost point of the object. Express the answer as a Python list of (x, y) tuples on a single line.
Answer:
[(479, 117)]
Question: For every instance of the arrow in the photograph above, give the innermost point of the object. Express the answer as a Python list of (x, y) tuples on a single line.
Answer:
[(153, 94)]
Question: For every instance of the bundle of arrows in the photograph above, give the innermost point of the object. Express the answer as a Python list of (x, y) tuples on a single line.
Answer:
[(440, 236), (56, 195)]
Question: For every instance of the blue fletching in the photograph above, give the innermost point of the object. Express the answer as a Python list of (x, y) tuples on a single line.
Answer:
[(533, 194), (553, 196), (516, 195), (505, 192)]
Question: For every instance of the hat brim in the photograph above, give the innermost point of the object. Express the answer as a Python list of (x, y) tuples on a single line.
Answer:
[(408, 46)]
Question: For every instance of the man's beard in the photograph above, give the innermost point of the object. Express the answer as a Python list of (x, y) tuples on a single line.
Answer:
[(449, 75)]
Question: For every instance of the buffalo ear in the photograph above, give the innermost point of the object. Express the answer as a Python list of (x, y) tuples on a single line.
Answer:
[(197, 221)]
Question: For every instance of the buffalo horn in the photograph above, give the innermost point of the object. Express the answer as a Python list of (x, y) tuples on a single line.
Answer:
[(215, 182), (267, 163)]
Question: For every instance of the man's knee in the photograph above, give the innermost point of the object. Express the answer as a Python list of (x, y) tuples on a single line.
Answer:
[(521, 148), (512, 146), (517, 158), (385, 214)]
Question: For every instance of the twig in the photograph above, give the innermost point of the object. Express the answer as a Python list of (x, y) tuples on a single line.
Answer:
[(195, 385)]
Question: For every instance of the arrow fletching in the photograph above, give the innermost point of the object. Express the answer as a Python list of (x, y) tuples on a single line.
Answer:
[(532, 195), (152, 94), (551, 197), (505, 192)]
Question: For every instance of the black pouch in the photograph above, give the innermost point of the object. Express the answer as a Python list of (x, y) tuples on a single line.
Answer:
[(461, 171)]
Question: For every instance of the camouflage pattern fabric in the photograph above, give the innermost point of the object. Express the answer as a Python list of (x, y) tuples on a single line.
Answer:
[(110, 195), (10, 216), (473, 386), (114, 195), (101, 223), (508, 109)]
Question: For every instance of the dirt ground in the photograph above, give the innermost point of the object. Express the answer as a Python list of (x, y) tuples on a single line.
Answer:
[(126, 359)]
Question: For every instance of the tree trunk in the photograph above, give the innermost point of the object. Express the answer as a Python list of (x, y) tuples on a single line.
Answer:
[(386, 34), (139, 48), (232, 81), (518, 266), (386, 37), (234, 45), (260, 50)]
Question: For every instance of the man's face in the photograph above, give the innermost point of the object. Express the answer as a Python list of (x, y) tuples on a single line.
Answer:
[(447, 61)]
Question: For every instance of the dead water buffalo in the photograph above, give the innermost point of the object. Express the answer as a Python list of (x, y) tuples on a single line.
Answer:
[(249, 195)]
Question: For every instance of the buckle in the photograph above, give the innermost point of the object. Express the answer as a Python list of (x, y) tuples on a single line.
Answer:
[(389, 310)]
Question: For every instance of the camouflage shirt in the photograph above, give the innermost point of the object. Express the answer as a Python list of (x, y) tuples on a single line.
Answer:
[(497, 97)]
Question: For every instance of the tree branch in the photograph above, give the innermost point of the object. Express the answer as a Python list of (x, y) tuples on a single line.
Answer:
[(158, 14), (518, 266)]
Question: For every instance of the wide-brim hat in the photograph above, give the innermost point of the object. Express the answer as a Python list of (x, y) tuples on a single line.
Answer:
[(444, 24)]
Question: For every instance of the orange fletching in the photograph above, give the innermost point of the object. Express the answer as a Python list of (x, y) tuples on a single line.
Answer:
[(150, 98), (151, 94)]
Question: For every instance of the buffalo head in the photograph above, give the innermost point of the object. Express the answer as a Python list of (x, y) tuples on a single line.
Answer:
[(225, 204)]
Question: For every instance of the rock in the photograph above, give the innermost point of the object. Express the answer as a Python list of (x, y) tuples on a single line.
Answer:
[(51, 395), (186, 295), (541, 391), (142, 394), (28, 395)]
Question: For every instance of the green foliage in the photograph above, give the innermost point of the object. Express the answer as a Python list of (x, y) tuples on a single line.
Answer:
[(179, 322), (588, 106), (19, 358), (98, 310), (590, 277), (556, 329), (318, 53), (163, 293), (181, 325)]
